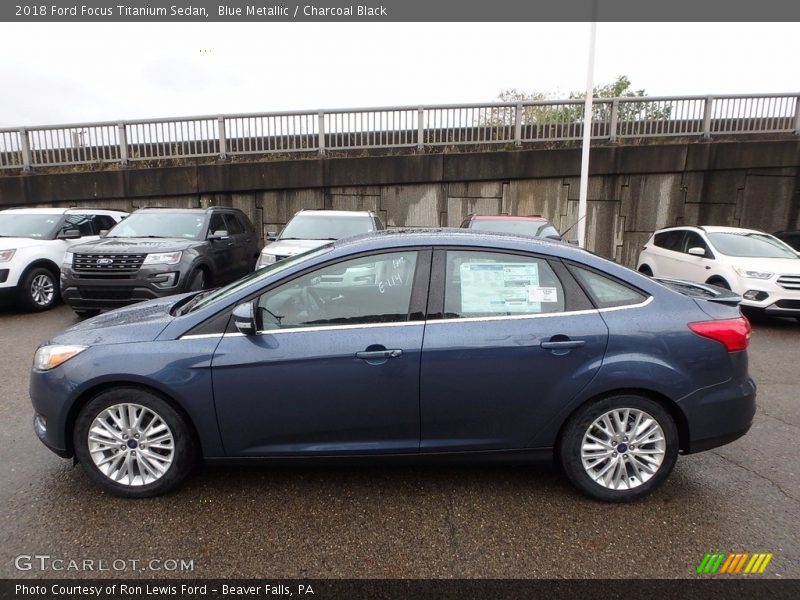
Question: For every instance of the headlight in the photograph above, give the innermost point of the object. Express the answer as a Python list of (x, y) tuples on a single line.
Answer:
[(753, 274), (6, 255), (49, 357), (163, 258), (265, 259), (68, 258)]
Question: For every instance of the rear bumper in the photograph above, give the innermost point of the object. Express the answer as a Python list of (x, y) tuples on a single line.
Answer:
[(719, 415)]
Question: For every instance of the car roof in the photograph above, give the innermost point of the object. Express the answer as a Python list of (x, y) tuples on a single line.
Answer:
[(63, 211), (335, 213), (537, 218), (710, 229), (452, 236)]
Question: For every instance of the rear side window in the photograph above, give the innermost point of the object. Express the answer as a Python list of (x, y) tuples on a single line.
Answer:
[(491, 284), (604, 291), (670, 240)]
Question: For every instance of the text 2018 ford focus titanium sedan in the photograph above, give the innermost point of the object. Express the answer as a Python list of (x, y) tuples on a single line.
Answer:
[(425, 345)]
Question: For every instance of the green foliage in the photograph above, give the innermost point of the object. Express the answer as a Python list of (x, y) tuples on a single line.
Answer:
[(571, 111)]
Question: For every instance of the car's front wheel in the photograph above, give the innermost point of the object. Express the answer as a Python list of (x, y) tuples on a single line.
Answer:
[(132, 443), (39, 289), (619, 448)]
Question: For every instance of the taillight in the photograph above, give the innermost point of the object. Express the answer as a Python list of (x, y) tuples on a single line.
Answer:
[(734, 334)]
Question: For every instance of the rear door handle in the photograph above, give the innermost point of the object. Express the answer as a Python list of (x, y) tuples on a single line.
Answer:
[(564, 345), (378, 354)]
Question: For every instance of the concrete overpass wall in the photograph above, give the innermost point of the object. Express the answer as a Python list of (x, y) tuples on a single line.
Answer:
[(632, 190)]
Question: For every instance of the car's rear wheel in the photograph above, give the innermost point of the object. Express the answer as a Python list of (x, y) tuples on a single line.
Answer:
[(39, 290), (620, 448), (132, 443)]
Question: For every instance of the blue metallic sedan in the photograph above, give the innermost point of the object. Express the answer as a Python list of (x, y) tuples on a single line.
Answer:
[(423, 345)]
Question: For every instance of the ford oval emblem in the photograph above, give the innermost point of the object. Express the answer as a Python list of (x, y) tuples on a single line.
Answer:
[(104, 261)]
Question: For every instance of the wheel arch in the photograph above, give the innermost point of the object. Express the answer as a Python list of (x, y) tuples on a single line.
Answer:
[(47, 263), (672, 407), (87, 395)]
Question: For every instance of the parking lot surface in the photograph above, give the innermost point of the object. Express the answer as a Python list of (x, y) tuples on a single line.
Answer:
[(389, 522)]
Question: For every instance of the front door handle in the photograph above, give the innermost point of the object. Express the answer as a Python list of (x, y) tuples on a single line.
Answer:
[(378, 354), (563, 345)]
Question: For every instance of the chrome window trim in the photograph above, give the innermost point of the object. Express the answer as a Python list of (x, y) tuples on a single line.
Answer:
[(418, 323)]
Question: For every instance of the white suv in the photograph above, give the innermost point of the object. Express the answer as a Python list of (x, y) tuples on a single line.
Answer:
[(33, 242), (758, 266)]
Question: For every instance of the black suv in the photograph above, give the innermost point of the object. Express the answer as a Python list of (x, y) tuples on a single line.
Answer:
[(158, 252)]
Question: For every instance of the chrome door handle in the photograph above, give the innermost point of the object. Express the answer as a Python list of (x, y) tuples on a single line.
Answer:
[(378, 354), (564, 345)]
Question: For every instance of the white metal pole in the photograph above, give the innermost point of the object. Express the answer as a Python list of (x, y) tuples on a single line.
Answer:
[(587, 133)]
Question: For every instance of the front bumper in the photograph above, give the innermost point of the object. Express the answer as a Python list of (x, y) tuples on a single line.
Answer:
[(83, 292), (770, 297), (51, 409)]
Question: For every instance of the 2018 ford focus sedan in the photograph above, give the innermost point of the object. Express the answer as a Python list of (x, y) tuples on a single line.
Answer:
[(426, 345)]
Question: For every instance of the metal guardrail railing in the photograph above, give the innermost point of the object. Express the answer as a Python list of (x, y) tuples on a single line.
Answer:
[(395, 127)]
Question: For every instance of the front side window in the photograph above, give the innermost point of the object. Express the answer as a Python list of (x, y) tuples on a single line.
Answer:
[(694, 240), (369, 289), (491, 284), (160, 224), (604, 291), (82, 223), (233, 225)]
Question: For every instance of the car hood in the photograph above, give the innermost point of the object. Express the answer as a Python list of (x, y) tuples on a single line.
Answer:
[(135, 245), (779, 266), (292, 247), (136, 323), (9, 243)]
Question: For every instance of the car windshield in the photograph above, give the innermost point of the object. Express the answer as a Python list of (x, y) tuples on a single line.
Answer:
[(326, 227), (29, 225), (756, 245), (521, 226), (221, 294), (160, 224)]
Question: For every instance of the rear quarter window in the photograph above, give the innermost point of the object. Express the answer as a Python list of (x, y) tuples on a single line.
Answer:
[(605, 291)]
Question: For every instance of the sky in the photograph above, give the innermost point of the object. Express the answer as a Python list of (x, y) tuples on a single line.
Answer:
[(56, 73)]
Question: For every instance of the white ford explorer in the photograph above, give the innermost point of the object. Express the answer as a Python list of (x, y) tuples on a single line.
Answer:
[(762, 269), (33, 242)]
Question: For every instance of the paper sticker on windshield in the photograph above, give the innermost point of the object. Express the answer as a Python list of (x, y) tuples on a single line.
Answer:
[(498, 287), (542, 294)]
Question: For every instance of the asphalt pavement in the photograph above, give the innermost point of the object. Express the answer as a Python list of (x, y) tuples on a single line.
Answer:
[(397, 522)]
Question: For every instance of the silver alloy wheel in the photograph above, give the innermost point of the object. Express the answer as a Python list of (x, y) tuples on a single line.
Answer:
[(131, 444), (623, 448), (42, 290)]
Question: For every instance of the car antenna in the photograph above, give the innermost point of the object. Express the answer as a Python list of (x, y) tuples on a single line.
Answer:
[(573, 225)]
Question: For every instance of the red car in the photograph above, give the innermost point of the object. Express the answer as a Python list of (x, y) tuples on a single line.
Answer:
[(534, 225)]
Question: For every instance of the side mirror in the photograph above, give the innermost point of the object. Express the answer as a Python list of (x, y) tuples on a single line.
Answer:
[(219, 234), (244, 319), (573, 242), (697, 251), (272, 236), (69, 234), (557, 238), (103, 232)]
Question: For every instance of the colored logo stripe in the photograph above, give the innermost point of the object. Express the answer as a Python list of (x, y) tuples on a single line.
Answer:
[(734, 563)]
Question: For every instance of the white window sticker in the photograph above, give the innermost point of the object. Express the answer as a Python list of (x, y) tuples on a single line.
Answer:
[(542, 294), (499, 287)]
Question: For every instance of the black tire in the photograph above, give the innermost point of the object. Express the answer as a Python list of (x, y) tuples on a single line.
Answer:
[(645, 270), (197, 281), (719, 282), (31, 289), (571, 441), (85, 313), (184, 446)]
